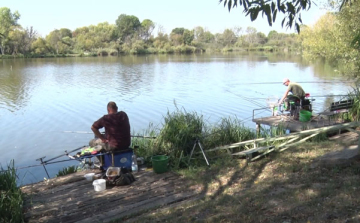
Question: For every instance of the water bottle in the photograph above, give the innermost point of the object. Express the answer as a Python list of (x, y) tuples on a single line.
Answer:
[(134, 165)]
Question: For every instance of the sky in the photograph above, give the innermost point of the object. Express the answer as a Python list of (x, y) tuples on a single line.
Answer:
[(47, 15)]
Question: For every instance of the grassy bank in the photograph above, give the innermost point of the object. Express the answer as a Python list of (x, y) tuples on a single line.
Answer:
[(141, 50), (179, 131), (283, 187), (11, 205)]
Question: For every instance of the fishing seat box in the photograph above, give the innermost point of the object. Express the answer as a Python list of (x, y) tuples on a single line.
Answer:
[(121, 159)]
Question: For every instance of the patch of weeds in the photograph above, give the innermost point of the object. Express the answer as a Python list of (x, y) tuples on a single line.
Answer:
[(11, 197), (67, 170)]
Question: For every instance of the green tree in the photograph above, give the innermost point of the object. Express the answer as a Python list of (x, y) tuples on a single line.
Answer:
[(188, 37), (17, 41), (54, 40), (228, 37), (60, 40), (161, 39), (322, 40), (332, 38), (181, 36), (176, 36), (201, 37), (127, 26), (31, 36), (83, 39), (147, 27), (39, 46), (349, 28), (291, 9), (8, 21), (251, 36)]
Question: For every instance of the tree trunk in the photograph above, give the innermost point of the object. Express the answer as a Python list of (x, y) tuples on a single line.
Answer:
[(1, 49)]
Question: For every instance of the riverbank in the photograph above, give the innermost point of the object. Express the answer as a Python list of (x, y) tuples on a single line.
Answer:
[(292, 186), (175, 50)]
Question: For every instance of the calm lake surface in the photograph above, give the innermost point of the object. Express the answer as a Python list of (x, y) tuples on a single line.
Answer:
[(42, 99)]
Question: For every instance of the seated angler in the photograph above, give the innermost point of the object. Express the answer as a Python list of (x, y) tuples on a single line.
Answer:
[(297, 93), (117, 130)]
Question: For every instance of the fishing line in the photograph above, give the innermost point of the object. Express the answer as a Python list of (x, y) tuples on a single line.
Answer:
[(246, 99), (302, 82), (241, 122), (83, 132), (63, 154), (316, 96)]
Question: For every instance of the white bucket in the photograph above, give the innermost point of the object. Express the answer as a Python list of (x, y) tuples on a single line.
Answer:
[(99, 185), (89, 176)]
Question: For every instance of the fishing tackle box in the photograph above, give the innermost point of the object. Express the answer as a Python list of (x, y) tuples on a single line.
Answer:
[(118, 159)]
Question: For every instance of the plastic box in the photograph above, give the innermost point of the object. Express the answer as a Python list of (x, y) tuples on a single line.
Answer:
[(113, 171), (121, 159)]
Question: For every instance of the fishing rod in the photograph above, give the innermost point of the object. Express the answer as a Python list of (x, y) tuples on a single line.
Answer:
[(315, 96), (66, 153), (43, 163), (302, 82), (83, 132)]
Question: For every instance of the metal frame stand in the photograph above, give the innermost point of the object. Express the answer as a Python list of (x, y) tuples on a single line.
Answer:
[(43, 163), (197, 142)]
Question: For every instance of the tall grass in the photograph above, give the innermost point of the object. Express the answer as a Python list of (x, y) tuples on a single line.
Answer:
[(181, 129), (11, 198), (355, 110), (146, 146), (178, 134), (229, 130)]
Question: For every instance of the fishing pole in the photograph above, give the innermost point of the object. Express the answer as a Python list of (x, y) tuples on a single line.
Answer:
[(83, 132), (302, 82), (44, 163), (66, 153), (315, 96)]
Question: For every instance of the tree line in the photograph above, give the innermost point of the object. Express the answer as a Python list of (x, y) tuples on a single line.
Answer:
[(334, 38), (129, 35)]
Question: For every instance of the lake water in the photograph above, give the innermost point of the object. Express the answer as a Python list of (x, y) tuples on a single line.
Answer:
[(43, 99)]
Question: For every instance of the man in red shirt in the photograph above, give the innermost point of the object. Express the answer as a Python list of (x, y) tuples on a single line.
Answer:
[(117, 130)]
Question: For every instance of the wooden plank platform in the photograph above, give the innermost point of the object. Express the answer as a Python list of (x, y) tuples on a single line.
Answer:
[(72, 198), (289, 123)]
